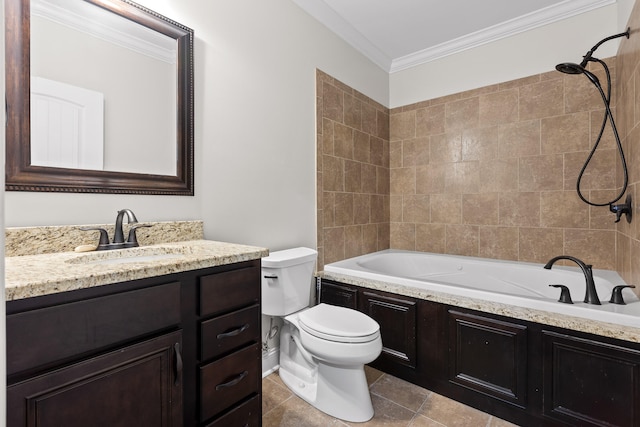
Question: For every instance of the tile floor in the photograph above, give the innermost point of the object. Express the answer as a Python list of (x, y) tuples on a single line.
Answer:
[(396, 403)]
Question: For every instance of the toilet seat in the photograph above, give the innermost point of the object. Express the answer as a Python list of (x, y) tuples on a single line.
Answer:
[(338, 324)]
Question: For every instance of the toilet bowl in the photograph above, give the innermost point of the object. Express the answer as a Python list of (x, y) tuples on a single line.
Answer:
[(328, 370), (323, 348)]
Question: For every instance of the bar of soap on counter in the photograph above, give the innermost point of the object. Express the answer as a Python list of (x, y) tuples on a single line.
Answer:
[(85, 248)]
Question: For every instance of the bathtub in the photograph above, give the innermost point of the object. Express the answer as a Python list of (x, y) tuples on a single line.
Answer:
[(506, 282)]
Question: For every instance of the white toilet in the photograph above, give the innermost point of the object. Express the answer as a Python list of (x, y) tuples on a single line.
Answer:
[(323, 348)]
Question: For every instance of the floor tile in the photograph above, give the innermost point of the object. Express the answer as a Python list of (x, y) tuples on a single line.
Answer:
[(497, 422), (273, 393), (399, 391), (451, 413), (387, 414), (396, 403), (422, 421), (295, 412), (372, 374)]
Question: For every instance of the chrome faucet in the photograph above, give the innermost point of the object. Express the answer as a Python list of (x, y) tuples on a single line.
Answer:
[(591, 296)]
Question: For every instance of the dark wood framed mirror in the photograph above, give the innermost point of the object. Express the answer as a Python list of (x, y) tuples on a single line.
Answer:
[(24, 174)]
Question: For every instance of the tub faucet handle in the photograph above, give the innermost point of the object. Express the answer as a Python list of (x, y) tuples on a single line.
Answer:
[(565, 295), (616, 294)]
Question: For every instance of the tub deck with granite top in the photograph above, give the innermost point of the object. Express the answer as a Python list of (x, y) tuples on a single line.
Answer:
[(513, 289)]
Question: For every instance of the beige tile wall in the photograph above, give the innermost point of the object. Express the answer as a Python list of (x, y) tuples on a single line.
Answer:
[(628, 120), (353, 172), (491, 172)]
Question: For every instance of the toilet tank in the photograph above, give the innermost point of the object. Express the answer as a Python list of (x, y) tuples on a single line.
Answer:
[(287, 281)]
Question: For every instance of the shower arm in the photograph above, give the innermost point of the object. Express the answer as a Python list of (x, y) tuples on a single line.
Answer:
[(587, 56)]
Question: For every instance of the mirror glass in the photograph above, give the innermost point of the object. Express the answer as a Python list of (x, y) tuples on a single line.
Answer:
[(87, 110), (109, 98)]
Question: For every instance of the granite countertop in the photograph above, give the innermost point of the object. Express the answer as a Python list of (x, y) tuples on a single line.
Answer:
[(35, 275), (592, 326)]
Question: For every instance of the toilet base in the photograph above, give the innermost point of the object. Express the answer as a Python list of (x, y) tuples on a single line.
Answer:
[(341, 392)]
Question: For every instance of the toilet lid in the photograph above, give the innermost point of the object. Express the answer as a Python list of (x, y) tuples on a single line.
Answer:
[(339, 324)]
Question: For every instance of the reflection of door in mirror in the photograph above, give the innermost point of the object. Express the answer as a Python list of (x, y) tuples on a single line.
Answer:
[(78, 44), (67, 126)]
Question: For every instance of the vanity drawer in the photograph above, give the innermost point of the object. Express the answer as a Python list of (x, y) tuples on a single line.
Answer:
[(229, 380), (225, 333), (43, 336), (248, 414), (229, 290)]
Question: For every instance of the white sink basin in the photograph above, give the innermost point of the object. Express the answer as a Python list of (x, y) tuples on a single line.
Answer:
[(138, 258), (126, 256)]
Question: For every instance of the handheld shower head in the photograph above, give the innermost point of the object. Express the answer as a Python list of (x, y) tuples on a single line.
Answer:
[(570, 68)]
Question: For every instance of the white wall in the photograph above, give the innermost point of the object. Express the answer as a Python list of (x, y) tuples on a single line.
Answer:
[(521, 55), (624, 12), (255, 67), (257, 63)]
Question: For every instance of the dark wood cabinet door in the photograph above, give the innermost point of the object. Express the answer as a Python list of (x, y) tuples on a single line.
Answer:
[(590, 383), (489, 356), (397, 318), (139, 385), (340, 295)]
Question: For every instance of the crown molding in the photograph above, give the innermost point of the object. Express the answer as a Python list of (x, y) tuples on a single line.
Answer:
[(331, 19), (336, 23), (121, 33), (548, 15)]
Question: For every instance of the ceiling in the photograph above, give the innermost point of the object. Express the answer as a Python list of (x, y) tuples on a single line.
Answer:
[(399, 34)]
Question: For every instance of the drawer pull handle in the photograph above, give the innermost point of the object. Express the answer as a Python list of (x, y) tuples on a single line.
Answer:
[(233, 382), (176, 349), (234, 332), (270, 276)]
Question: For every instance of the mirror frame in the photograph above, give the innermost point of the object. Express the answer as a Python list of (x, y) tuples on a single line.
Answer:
[(20, 175)]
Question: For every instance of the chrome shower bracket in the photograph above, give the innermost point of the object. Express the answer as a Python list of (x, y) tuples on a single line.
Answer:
[(626, 208)]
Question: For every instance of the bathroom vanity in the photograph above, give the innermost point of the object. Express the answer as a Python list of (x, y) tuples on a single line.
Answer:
[(103, 338), (527, 372)]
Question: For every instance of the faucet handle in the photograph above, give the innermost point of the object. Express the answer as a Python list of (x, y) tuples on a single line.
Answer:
[(565, 294), (616, 294), (132, 239), (104, 237)]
